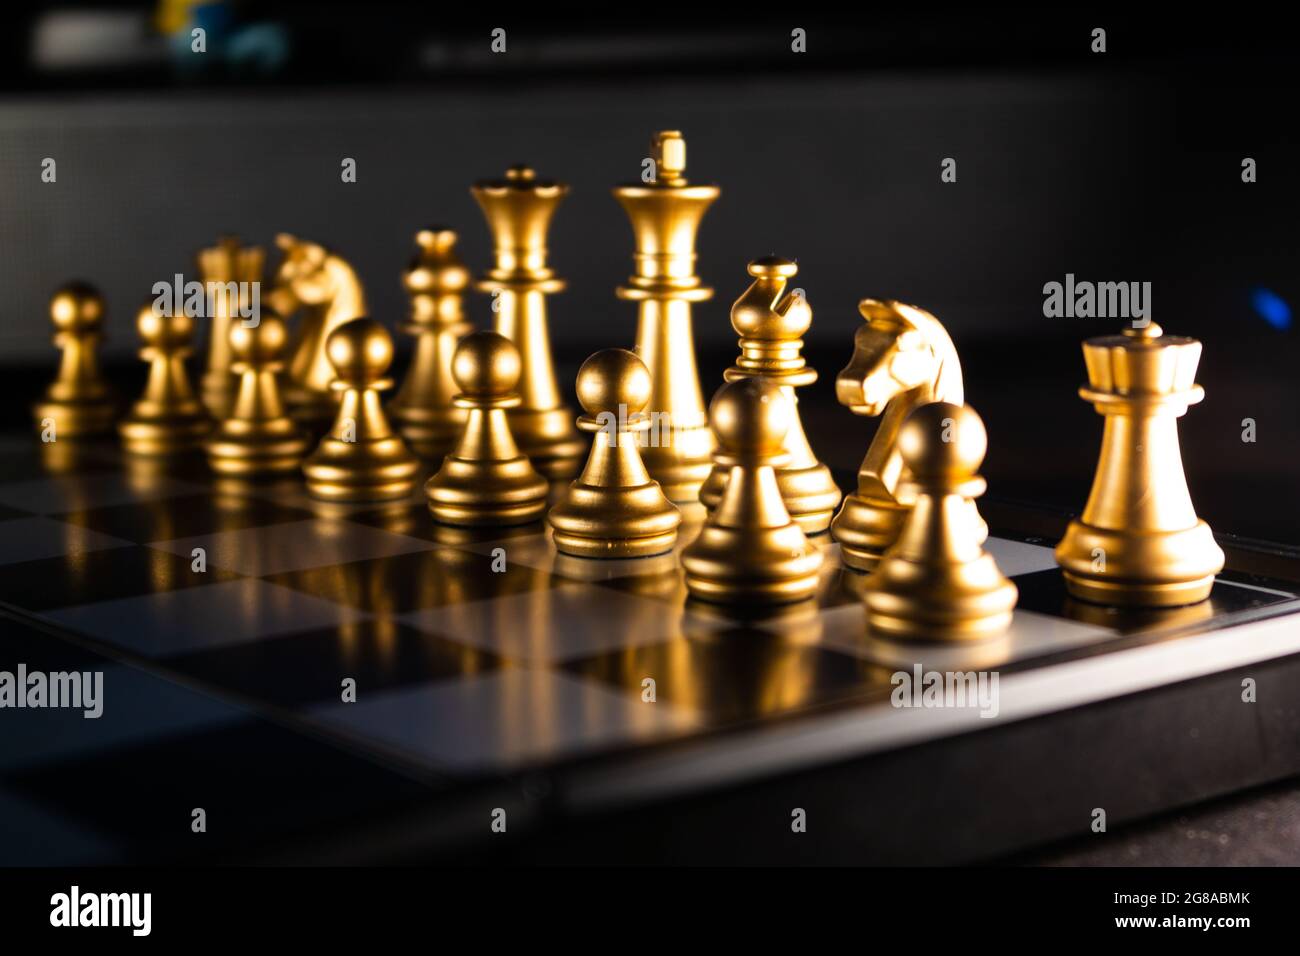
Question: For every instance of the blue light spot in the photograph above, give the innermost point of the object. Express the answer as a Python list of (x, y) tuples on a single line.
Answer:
[(1272, 308)]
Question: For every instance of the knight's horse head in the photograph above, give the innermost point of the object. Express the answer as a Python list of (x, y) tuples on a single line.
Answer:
[(901, 349), (303, 271)]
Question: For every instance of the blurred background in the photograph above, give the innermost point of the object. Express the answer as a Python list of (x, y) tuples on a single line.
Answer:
[(1117, 166)]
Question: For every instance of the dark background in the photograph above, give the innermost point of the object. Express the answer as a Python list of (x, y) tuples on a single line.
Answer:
[(1123, 166)]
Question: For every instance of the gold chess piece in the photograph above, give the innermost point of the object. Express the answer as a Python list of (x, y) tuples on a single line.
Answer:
[(518, 209), (486, 481), (665, 214), (937, 583), (219, 266), (79, 402), (771, 320), (258, 438), (167, 419), (361, 459), (750, 550), (902, 359), (325, 288), (1139, 541), (614, 509), (423, 408)]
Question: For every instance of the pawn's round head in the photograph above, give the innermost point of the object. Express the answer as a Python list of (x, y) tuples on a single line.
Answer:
[(486, 365), (162, 330), (613, 378), (262, 343), (360, 351), (750, 417), (77, 307), (943, 441)]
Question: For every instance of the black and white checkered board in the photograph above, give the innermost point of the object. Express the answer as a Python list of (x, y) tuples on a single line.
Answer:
[(476, 658)]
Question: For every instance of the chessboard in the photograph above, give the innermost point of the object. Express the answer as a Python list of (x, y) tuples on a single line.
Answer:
[(357, 683)]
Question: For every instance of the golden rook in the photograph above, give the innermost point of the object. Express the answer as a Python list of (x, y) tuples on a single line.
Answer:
[(1139, 541)]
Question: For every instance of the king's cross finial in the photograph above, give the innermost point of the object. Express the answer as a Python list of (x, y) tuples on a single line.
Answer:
[(668, 149)]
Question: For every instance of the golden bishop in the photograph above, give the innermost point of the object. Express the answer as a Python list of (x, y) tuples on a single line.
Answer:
[(770, 318)]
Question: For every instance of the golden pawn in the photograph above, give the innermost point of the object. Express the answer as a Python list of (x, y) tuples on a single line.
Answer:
[(423, 408), (486, 481), (665, 215), (518, 209), (167, 419), (361, 459), (258, 438), (750, 551), (614, 509), (1139, 541), (78, 402), (771, 320), (226, 262), (936, 583)]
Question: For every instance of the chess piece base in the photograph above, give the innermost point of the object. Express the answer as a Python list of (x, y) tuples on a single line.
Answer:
[(313, 410), (180, 431), (598, 522), (811, 496), (968, 601), (656, 574), (241, 449), (78, 418), (73, 454), (1134, 569), (548, 438), (680, 459), (471, 493), (218, 389), (377, 470), (751, 565), (429, 432), (642, 546), (866, 528)]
